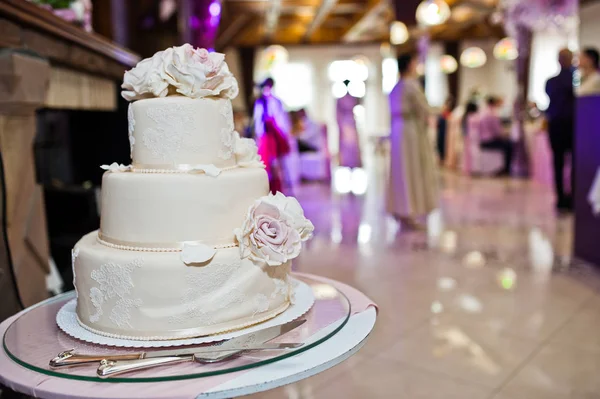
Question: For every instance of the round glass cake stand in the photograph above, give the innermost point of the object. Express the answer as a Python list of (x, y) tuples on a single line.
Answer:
[(34, 338)]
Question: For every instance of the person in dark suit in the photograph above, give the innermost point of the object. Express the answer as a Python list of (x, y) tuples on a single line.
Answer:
[(560, 116)]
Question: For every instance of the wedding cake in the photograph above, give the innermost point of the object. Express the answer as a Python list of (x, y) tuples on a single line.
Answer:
[(191, 242)]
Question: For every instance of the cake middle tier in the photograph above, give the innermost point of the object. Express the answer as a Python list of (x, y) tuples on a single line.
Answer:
[(157, 209)]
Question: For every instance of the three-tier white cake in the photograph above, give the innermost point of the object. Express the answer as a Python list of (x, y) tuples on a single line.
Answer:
[(191, 242)]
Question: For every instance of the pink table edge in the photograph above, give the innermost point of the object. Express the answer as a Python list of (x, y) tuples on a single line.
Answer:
[(20, 379)]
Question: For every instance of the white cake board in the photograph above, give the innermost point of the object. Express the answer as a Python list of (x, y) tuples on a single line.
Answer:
[(66, 318)]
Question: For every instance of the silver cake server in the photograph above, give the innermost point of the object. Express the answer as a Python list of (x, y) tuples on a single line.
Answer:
[(224, 351)]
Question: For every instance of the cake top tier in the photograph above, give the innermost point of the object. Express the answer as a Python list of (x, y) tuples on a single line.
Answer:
[(184, 70)]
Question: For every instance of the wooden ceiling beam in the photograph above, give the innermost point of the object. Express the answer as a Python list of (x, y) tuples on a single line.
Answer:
[(272, 18), (372, 7), (322, 12), (235, 26)]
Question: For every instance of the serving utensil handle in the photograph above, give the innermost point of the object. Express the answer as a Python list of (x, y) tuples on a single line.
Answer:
[(111, 367), (71, 358)]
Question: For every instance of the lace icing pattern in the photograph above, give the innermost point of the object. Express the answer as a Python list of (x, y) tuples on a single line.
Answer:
[(172, 132), (114, 281), (227, 132), (131, 128), (74, 255), (202, 283), (261, 303)]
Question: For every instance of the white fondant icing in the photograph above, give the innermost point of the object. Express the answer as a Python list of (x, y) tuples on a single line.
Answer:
[(179, 130), (130, 128), (168, 208), (163, 297)]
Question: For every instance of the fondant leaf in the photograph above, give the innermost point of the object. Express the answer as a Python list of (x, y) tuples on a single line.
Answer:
[(197, 253)]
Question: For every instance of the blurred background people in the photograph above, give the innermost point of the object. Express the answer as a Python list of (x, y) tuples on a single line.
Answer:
[(443, 121), (349, 149), (493, 135), (306, 131), (413, 186), (560, 116), (272, 130), (589, 65)]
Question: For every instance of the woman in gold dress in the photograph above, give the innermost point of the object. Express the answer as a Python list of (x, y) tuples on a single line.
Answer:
[(413, 187)]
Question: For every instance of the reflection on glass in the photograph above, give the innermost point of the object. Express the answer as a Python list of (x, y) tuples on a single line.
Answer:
[(324, 291)]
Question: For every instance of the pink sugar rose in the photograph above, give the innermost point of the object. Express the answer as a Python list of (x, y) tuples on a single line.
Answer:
[(271, 234)]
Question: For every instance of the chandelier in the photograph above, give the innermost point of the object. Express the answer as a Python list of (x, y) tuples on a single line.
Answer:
[(398, 33), (506, 49), (539, 15), (433, 12), (473, 57), (448, 64)]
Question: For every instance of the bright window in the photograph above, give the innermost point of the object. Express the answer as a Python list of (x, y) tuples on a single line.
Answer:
[(389, 68), (294, 84)]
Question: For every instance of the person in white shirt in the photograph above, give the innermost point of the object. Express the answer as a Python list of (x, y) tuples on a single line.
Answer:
[(589, 65)]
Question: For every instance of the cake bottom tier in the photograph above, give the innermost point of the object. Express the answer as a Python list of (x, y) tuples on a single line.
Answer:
[(154, 295)]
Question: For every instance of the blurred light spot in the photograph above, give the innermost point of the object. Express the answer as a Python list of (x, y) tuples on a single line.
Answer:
[(437, 307), (435, 227), (342, 180), (357, 89), (507, 278), (364, 233), (339, 90), (336, 235), (448, 241), (392, 227), (446, 283), (194, 22), (214, 9), (474, 260), (470, 303), (541, 253), (360, 181)]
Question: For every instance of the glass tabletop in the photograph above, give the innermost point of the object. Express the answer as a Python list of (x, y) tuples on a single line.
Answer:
[(34, 338)]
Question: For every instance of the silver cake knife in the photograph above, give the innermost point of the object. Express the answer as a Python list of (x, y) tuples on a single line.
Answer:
[(71, 358), (227, 349)]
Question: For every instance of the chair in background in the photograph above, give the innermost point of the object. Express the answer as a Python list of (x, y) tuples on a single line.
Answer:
[(475, 160), (316, 166)]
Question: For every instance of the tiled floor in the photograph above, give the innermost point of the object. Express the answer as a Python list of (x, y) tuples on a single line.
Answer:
[(484, 306)]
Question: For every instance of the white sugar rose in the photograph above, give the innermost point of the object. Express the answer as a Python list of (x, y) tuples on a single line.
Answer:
[(185, 70), (274, 230), (246, 153), (145, 80)]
